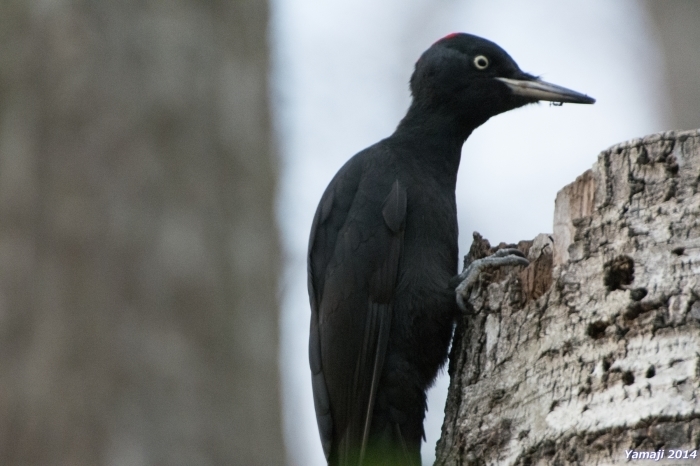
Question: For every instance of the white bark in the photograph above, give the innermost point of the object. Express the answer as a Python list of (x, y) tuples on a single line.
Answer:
[(594, 349)]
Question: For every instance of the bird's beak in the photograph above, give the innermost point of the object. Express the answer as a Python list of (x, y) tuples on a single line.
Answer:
[(541, 90)]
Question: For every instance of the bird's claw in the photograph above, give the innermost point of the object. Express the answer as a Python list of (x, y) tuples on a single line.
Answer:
[(470, 274)]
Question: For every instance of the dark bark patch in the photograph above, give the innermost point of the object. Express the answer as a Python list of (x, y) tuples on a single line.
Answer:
[(638, 294), (548, 449), (621, 331), (643, 157), (618, 273), (636, 186), (651, 372), (596, 330), (627, 378), (635, 309), (672, 165)]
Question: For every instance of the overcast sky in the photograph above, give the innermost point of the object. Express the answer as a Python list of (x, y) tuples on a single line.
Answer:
[(341, 71)]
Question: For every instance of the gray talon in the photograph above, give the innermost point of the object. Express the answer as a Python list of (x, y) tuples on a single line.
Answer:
[(470, 274), (506, 252)]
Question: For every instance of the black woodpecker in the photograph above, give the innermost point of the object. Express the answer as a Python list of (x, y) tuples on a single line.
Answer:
[(383, 251)]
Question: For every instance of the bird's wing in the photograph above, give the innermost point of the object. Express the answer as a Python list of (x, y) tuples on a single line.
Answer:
[(331, 215), (354, 256)]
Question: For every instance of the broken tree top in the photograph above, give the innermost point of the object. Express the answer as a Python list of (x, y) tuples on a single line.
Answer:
[(605, 360)]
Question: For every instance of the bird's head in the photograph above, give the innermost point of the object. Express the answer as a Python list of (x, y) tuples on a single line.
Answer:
[(474, 79)]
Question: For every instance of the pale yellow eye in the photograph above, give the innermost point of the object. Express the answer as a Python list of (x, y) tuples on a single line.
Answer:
[(481, 62)]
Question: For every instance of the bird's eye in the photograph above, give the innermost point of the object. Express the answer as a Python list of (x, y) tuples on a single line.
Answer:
[(481, 62)]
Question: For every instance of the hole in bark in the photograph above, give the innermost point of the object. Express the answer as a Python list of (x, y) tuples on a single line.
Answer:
[(596, 330), (606, 365), (618, 272), (651, 372), (678, 251), (638, 294), (627, 378)]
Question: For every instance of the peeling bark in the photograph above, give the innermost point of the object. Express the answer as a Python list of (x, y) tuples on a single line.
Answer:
[(593, 350)]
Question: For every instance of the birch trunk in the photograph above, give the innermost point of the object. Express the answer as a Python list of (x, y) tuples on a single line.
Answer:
[(590, 355)]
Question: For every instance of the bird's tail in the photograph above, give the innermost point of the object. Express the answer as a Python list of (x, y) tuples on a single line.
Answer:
[(388, 449)]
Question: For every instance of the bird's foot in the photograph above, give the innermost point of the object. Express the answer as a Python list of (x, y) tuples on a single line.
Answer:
[(467, 279)]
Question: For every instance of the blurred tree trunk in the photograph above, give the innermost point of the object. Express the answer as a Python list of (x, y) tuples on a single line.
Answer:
[(138, 249), (678, 26), (592, 352)]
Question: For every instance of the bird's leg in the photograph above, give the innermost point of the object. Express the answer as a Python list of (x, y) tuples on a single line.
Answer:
[(467, 279)]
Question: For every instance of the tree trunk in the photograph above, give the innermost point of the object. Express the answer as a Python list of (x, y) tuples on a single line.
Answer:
[(591, 354), (138, 249), (675, 28)]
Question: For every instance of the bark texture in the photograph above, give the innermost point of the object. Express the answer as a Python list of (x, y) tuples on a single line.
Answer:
[(593, 349), (138, 250)]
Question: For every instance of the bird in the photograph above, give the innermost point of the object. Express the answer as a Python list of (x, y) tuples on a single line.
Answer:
[(383, 255)]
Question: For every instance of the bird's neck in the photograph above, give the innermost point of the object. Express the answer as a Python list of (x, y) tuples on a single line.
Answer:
[(435, 138)]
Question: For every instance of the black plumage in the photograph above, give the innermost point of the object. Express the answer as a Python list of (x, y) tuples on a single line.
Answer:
[(383, 249)]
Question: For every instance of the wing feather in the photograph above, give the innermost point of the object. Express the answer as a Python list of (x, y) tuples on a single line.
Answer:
[(331, 214), (353, 269)]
